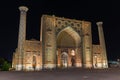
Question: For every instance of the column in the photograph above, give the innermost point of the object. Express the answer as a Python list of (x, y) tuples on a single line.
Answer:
[(21, 36), (102, 45)]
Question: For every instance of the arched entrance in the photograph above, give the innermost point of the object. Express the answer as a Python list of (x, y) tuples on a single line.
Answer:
[(67, 40), (64, 59)]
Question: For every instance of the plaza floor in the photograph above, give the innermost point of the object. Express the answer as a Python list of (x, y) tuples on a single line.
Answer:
[(63, 74)]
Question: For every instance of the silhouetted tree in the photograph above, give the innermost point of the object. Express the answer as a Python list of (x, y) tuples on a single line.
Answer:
[(4, 64)]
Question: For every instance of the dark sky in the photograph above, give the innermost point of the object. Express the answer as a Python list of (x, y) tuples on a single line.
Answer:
[(93, 11)]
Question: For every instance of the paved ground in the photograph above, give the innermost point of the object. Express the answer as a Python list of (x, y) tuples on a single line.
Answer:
[(68, 74)]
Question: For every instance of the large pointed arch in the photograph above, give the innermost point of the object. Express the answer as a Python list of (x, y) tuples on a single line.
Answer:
[(68, 37)]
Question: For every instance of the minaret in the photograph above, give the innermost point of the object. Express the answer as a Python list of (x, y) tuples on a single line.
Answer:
[(21, 36), (102, 45)]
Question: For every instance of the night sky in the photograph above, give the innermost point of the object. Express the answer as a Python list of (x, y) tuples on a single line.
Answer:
[(93, 11)]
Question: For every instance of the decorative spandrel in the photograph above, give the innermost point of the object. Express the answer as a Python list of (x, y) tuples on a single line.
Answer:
[(61, 23)]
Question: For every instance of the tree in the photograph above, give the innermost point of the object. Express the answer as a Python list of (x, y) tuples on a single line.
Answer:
[(1, 62), (5, 66)]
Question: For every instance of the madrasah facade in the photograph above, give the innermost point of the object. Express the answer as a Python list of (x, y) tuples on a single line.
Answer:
[(64, 43)]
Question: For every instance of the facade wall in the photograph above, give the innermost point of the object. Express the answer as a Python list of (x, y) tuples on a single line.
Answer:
[(97, 57), (31, 50), (51, 51)]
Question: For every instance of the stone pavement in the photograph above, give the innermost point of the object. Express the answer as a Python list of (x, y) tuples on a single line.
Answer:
[(63, 74)]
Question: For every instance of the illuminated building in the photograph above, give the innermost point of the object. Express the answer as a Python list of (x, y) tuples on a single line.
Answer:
[(64, 43)]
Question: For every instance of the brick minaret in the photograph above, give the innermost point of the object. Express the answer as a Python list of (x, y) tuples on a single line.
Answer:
[(21, 36), (102, 45)]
